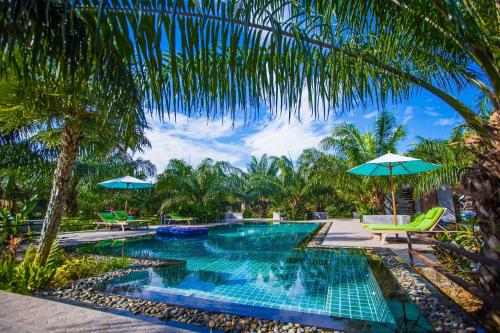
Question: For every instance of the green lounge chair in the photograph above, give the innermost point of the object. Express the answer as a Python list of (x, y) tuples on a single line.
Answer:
[(110, 220), (122, 215), (176, 217), (424, 222)]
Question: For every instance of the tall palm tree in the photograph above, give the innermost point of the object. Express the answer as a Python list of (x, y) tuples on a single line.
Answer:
[(261, 182), (46, 110), (351, 148), (451, 154), (205, 190)]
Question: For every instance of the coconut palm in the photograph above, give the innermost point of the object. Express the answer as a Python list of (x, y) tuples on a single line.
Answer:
[(205, 190), (261, 182), (49, 114), (451, 154), (351, 148)]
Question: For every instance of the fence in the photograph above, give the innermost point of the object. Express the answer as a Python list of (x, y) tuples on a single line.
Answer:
[(474, 290)]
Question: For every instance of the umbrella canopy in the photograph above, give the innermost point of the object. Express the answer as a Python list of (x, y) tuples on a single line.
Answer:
[(393, 165), (126, 183)]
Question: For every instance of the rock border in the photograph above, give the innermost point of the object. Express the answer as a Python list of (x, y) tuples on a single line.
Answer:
[(441, 311)]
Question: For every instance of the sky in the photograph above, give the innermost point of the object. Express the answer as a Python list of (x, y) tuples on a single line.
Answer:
[(194, 139)]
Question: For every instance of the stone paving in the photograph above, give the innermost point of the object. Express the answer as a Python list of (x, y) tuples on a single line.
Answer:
[(348, 233), (19, 314)]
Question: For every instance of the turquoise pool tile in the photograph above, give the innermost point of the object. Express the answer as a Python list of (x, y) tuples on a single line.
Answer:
[(258, 265)]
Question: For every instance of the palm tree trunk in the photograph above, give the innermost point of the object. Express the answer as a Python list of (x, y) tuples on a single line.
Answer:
[(62, 176), (482, 183)]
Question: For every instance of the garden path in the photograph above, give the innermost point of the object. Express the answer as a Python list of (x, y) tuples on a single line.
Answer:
[(349, 233), (19, 314)]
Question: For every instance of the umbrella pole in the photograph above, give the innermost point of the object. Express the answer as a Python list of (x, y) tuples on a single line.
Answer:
[(392, 192), (126, 199)]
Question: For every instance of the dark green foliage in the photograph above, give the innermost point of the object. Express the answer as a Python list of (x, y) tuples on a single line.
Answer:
[(467, 239)]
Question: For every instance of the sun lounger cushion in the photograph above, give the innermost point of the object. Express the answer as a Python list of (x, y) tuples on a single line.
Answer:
[(417, 225), (107, 217)]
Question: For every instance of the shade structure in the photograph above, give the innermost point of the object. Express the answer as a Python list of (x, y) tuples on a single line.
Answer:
[(393, 165), (126, 183)]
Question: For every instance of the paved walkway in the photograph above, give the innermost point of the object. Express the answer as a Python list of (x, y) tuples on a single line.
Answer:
[(348, 233), (19, 314)]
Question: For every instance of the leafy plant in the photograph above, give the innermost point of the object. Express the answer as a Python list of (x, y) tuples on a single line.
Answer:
[(467, 239), (12, 221), (85, 266)]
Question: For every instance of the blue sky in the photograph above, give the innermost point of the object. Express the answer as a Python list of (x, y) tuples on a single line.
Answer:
[(193, 139)]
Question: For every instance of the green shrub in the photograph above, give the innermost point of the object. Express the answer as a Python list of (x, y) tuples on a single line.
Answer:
[(467, 239), (28, 275), (247, 214), (86, 266)]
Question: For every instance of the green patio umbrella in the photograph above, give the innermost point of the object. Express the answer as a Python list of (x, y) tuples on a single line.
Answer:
[(126, 183), (393, 165)]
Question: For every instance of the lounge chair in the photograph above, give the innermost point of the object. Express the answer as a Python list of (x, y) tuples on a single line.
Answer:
[(110, 220), (424, 222), (122, 215), (175, 217)]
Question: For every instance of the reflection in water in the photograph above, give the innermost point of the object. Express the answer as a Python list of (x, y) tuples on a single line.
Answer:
[(258, 265)]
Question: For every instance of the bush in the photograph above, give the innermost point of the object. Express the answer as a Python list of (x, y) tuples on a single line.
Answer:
[(467, 239), (247, 214), (28, 275), (79, 268)]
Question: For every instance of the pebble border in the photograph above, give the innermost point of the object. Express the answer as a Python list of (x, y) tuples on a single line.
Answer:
[(441, 311)]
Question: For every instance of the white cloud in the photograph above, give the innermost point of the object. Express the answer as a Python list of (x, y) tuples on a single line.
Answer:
[(445, 122), (408, 115), (282, 137), (370, 115), (191, 140), (430, 110), (289, 137)]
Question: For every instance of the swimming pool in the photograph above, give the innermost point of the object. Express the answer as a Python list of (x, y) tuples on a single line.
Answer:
[(262, 270)]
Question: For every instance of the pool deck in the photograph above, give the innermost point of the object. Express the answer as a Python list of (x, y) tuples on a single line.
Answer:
[(348, 233), (19, 314)]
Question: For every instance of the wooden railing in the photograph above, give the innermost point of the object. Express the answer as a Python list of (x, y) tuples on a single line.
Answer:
[(474, 290)]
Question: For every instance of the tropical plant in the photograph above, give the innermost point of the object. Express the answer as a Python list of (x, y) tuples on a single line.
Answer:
[(12, 221), (466, 238), (453, 157), (204, 191), (350, 148), (261, 182)]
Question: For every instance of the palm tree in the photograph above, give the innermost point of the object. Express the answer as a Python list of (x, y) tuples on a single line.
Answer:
[(46, 110), (451, 154), (207, 189), (221, 55), (351, 148), (261, 182)]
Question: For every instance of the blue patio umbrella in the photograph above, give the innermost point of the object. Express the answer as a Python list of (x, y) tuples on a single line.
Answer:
[(393, 165), (126, 183)]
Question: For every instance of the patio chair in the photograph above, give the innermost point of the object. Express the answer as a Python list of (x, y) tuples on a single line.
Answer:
[(110, 220), (122, 215), (424, 222), (175, 217)]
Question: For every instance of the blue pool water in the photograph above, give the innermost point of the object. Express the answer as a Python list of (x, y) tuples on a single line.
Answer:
[(258, 268)]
